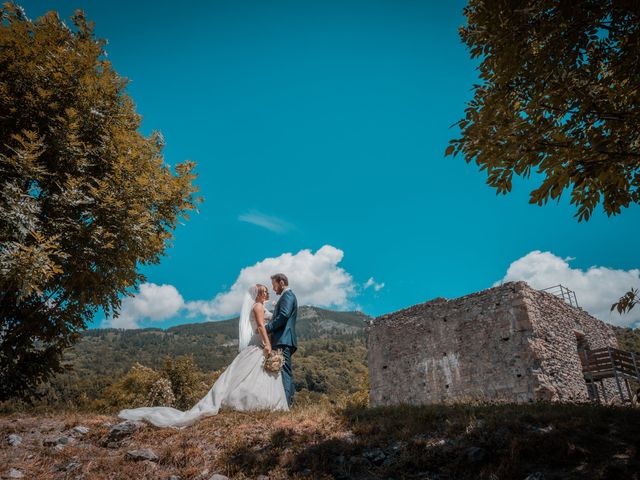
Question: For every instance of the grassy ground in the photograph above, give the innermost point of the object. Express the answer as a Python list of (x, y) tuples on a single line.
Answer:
[(437, 442)]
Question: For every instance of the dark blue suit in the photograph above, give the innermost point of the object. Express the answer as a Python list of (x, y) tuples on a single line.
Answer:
[(282, 329)]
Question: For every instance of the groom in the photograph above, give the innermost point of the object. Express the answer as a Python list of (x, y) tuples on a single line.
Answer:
[(282, 329)]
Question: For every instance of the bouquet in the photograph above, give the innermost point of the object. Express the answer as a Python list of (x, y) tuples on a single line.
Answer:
[(274, 361)]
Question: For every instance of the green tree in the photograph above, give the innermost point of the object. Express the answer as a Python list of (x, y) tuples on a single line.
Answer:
[(85, 198), (559, 95), (178, 384), (188, 383), (139, 387)]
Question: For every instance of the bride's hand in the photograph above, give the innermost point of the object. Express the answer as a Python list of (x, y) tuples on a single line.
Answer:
[(267, 350)]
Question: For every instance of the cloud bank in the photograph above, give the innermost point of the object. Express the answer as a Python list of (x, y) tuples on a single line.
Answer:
[(316, 278), (153, 302), (596, 288)]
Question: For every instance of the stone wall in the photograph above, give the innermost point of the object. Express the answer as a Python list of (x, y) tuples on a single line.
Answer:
[(468, 348), (554, 345), (508, 343)]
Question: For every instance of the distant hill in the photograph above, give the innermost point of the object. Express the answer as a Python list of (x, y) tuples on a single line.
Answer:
[(213, 344), (330, 362), (331, 356), (313, 323), (628, 338)]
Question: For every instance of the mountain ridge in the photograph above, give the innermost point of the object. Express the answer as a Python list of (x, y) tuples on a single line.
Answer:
[(313, 322), (212, 344), (302, 308)]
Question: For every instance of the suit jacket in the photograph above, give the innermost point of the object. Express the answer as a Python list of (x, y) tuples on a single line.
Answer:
[(282, 327)]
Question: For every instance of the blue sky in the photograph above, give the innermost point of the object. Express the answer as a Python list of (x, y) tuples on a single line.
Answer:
[(325, 123)]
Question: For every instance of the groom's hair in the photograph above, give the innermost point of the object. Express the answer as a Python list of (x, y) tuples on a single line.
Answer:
[(280, 277)]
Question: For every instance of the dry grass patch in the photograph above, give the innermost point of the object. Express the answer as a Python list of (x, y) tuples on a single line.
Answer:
[(444, 442)]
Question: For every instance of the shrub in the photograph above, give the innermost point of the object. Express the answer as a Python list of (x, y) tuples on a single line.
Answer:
[(140, 387)]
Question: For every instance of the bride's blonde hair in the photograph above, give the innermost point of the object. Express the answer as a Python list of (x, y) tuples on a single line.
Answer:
[(260, 289)]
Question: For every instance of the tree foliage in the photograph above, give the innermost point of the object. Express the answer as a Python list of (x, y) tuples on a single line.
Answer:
[(628, 338), (559, 97), (627, 301), (178, 384), (85, 198), (140, 387), (108, 375), (187, 381)]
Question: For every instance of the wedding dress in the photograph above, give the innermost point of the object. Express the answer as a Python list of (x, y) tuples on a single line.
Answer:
[(244, 385)]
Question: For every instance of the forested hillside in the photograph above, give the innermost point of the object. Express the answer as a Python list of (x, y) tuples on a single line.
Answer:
[(329, 365), (331, 359), (212, 344), (628, 339)]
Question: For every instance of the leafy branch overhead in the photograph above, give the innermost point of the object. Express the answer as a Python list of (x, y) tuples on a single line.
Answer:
[(85, 198), (627, 301), (558, 98)]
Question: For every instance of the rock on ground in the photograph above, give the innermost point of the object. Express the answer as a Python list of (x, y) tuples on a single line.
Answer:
[(374, 455), (121, 431), (475, 454), (535, 476), (14, 473), (217, 476), (142, 454), (55, 441), (67, 467)]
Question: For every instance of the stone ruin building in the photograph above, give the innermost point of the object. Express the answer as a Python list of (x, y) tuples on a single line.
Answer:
[(509, 343)]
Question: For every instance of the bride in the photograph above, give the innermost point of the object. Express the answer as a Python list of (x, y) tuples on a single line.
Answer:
[(244, 385)]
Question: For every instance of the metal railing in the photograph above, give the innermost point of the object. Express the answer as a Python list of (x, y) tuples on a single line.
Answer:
[(564, 293)]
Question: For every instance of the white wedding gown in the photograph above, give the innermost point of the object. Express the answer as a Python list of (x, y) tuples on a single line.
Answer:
[(244, 386)]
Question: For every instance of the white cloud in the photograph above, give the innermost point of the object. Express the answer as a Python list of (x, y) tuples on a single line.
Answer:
[(315, 278), (596, 288), (372, 283), (269, 222), (153, 302)]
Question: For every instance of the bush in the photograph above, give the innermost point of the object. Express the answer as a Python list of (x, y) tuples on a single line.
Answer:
[(179, 384), (188, 383), (140, 387)]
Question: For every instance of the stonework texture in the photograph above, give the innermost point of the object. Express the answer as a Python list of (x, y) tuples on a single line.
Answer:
[(509, 343)]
